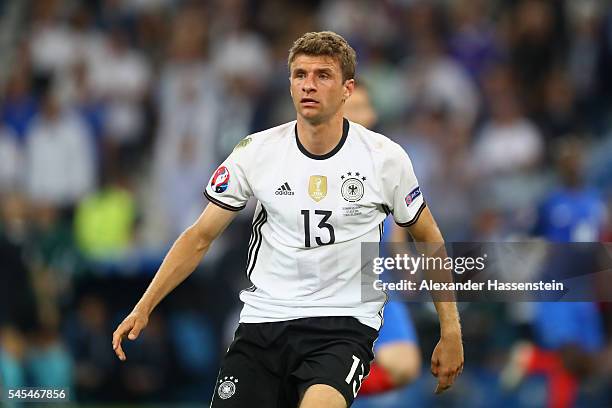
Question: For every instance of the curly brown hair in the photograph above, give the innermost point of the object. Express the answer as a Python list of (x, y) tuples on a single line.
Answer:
[(329, 44)]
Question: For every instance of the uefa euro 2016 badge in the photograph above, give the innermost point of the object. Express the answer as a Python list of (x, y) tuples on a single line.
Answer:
[(352, 187), (220, 180), (227, 387)]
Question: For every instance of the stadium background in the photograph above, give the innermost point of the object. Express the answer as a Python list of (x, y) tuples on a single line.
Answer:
[(114, 113)]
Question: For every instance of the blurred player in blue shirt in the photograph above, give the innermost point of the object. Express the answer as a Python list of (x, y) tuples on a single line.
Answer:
[(397, 356), (572, 213), (568, 334)]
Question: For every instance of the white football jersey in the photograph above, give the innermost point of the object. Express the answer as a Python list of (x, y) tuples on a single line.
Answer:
[(313, 213)]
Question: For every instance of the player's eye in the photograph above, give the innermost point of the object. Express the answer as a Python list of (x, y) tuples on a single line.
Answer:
[(323, 76)]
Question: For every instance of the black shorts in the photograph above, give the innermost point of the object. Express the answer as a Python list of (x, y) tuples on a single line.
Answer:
[(270, 365)]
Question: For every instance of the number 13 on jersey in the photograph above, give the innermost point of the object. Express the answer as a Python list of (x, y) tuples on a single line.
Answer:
[(321, 216)]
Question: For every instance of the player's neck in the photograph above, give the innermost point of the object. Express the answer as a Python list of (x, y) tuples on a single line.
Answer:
[(321, 138)]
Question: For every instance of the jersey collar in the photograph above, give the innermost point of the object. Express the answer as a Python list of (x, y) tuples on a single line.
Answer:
[(345, 129)]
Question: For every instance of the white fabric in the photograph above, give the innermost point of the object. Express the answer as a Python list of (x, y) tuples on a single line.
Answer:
[(60, 163), (53, 47), (189, 115), (121, 77), (293, 280), (507, 147)]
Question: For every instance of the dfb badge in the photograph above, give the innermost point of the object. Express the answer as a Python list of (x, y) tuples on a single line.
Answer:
[(227, 387), (352, 187)]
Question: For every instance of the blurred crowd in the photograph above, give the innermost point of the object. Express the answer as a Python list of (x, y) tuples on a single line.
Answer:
[(114, 113)]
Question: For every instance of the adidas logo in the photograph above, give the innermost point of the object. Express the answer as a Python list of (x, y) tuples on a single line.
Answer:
[(284, 190)]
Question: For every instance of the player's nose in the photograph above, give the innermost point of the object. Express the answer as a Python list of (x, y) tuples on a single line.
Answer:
[(309, 85)]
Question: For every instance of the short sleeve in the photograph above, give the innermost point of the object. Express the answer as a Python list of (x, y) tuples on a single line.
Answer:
[(405, 200), (228, 186)]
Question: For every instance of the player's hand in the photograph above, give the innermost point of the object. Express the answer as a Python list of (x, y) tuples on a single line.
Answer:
[(131, 326), (447, 361)]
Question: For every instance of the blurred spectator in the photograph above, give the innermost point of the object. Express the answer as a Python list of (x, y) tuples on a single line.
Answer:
[(74, 90), (423, 18), (152, 30), (473, 41), (52, 262), (441, 167), (32, 354), (243, 54), (599, 165), (120, 75), (182, 187), (383, 78), (185, 150), (11, 161), (145, 375), (49, 364), (508, 142), (537, 42), (423, 140), (585, 22), (242, 59), (86, 332), (574, 212), (53, 46), (17, 301), (19, 105), (12, 351), (438, 82), (568, 335), (104, 221), (59, 157), (360, 22), (604, 58), (507, 153), (89, 39), (195, 348), (559, 116), (52, 258)]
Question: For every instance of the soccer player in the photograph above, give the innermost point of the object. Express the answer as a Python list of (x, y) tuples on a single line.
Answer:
[(397, 359), (323, 185), (568, 335)]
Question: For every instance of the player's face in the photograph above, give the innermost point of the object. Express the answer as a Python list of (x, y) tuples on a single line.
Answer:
[(317, 88), (359, 109)]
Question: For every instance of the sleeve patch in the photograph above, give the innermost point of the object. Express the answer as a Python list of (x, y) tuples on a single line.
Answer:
[(412, 196), (220, 180)]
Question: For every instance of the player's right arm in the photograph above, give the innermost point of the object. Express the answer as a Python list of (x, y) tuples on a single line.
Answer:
[(179, 263)]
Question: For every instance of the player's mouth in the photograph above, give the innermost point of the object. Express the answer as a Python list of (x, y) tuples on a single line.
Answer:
[(309, 102)]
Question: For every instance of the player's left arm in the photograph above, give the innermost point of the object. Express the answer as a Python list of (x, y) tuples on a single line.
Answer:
[(447, 357)]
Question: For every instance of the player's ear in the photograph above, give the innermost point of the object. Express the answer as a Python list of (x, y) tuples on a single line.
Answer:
[(349, 87)]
